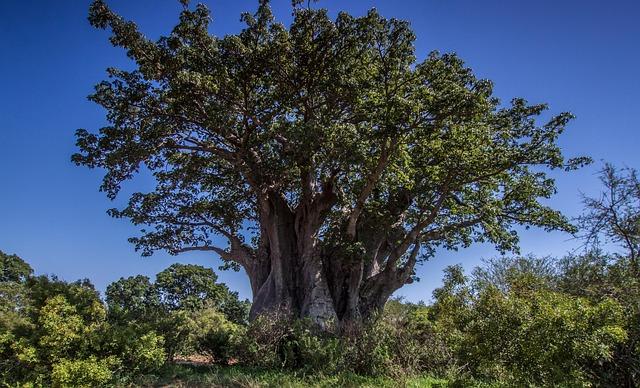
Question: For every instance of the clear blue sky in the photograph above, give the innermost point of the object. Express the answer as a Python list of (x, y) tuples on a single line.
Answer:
[(577, 55)]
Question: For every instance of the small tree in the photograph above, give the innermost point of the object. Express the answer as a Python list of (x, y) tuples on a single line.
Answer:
[(615, 214), (132, 299), (350, 160)]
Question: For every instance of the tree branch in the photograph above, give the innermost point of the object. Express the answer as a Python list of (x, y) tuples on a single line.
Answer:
[(372, 180)]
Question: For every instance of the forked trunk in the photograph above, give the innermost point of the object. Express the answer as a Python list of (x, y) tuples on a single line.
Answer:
[(293, 272)]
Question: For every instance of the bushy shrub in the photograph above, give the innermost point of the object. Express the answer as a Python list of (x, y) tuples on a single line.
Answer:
[(368, 349), (401, 342), (524, 333), (275, 340), (545, 338), (146, 353), (90, 372), (62, 330), (212, 334), (393, 345), (58, 333), (140, 351)]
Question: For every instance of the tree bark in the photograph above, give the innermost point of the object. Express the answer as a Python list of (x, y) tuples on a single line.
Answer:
[(326, 284)]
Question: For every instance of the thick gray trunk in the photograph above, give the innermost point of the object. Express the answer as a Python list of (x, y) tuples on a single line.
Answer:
[(295, 279), (324, 284), (331, 290)]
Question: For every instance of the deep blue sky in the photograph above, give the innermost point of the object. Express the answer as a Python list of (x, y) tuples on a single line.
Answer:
[(577, 55)]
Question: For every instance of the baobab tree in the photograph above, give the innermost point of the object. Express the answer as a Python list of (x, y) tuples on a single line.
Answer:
[(330, 159)]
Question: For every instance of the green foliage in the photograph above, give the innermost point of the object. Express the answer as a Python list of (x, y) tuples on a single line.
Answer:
[(389, 346), (62, 331), (90, 372), (81, 294), (14, 305), (61, 334), (613, 217), (544, 338), (503, 272), (132, 299), (13, 268), (275, 340), (141, 350), (212, 334), (175, 307), (598, 277), (189, 287), (528, 335)]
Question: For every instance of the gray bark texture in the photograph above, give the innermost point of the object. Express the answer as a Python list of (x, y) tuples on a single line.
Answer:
[(291, 269)]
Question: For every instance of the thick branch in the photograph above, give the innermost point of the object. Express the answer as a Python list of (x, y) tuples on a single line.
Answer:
[(371, 182)]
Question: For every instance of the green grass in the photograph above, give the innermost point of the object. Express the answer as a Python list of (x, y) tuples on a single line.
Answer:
[(245, 377)]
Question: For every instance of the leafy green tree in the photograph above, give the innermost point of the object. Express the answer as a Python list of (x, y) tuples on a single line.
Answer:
[(81, 294), (189, 287), (14, 301), (132, 299), (169, 306), (13, 268), (328, 157)]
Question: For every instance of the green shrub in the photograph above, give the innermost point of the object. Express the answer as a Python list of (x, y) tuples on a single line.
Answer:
[(525, 334), (90, 372), (263, 342), (541, 337), (212, 334), (397, 345), (275, 340), (145, 353), (368, 349), (62, 329), (393, 345)]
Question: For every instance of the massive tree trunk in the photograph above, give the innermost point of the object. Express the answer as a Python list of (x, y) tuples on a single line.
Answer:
[(294, 270), (289, 256)]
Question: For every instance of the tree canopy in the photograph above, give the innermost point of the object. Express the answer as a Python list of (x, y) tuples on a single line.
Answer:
[(330, 158)]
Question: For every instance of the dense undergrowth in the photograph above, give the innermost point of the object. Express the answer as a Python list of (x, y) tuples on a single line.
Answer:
[(515, 321)]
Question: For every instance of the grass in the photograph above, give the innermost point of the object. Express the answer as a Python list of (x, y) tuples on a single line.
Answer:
[(247, 377)]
